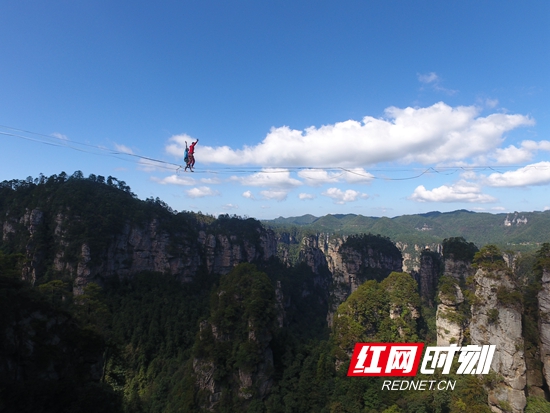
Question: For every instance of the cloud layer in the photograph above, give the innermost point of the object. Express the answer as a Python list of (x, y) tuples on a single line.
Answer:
[(436, 134), (461, 191), (535, 174), (342, 197)]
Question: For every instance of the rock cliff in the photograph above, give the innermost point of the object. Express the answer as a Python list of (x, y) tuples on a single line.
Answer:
[(428, 275), (496, 319), (449, 319), (233, 354), (342, 264), (412, 254), (544, 323), (152, 246)]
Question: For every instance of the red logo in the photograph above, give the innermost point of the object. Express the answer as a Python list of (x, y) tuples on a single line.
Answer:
[(385, 359)]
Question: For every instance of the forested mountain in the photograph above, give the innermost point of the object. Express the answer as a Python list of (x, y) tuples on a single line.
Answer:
[(516, 231), (111, 303)]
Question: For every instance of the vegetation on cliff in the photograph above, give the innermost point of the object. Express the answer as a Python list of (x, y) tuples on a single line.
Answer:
[(379, 312), (457, 248), (51, 354)]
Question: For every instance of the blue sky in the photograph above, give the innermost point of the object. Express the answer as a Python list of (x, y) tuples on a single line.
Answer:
[(367, 107)]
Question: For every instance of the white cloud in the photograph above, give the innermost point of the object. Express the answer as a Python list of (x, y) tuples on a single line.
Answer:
[(536, 146), (248, 194), (303, 196), (341, 197), (461, 191), (546, 208), (358, 176), (534, 174), (498, 208), (176, 145), (278, 195), (428, 77), (230, 206), (175, 180), (123, 149), (469, 174), (269, 177), (318, 177), (201, 191), (436, 134), (514, 155)]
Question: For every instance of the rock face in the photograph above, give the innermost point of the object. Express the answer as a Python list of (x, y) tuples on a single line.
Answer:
[(412, 254), (29, 223), (458, 269), (313, 250), (350, 261), (496, 319), (244, 382), (515, 220), (357, 259), (544, 324), (135, 248), (428, 275), (234, 356), (448, 321)]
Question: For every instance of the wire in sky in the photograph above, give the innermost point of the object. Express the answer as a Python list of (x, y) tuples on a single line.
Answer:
[(146, 161)]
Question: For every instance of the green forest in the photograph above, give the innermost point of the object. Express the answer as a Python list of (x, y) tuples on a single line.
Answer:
[(255, 339)]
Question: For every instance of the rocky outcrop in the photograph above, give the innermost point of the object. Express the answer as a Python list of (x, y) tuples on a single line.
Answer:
[(458, 269), (358, 259), (544, 324), (448, 319), (450, 323), (280, 304), (412, 254), (350, 262), (134, 249), (29, 223), (313, 250), (496, 319), (515, 220), (223, 252), (245, 383), (428, 275), (234, 355), (288, 247)]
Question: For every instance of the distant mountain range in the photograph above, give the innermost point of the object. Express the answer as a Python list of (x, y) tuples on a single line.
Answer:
[(517, 231)]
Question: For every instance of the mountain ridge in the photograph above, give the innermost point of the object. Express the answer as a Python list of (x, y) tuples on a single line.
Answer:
[(513, 229)]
